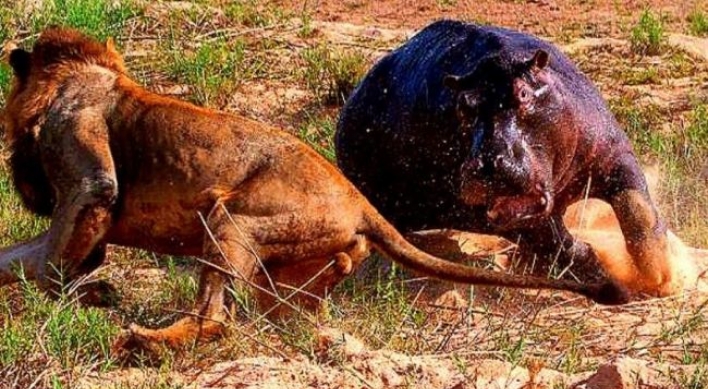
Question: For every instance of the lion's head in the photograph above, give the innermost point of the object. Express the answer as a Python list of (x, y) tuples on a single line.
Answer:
[(54, 56), (57, 55)]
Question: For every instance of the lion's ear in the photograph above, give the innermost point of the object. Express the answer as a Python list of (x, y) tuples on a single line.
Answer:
[(111, 46), (21, 61)]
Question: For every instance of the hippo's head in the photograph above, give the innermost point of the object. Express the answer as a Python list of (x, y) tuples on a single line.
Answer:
[(511, 112)]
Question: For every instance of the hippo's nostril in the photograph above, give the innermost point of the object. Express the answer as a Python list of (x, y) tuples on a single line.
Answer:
[(498, 162), (518, 150), (473, 167), (492, 215), (477, 165)]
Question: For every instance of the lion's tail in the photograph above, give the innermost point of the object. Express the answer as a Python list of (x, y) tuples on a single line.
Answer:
[(391, 243)]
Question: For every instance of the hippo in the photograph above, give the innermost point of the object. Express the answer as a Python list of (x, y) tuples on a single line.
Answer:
[(491, 130)]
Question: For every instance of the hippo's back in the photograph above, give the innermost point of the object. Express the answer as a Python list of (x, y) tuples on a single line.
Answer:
[(397, 138)]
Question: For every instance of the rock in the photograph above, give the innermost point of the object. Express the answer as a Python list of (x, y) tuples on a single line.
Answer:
[(623, 373), (491, 373), (334, 345), (696, 47), (385, 369)]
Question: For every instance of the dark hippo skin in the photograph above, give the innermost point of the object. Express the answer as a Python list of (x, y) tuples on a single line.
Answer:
[(490, 130)]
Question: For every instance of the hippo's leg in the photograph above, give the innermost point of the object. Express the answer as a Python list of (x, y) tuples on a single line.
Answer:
[(557, 250), (652, 268)]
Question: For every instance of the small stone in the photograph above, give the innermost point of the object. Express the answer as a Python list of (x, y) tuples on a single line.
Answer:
[(622, 373), (336, 345)]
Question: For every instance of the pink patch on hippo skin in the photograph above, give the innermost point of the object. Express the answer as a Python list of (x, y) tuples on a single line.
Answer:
[(475, 192)]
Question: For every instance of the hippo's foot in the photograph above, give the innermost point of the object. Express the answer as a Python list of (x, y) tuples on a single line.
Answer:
[(578, 262), (610, 294), (581, 261)]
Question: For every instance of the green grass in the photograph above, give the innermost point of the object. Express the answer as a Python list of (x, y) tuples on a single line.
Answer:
[(306, 29), (253, 13), (98, 18), (571, 359), (698, 23), (376, 306), (641, 123), (695, 137), (332, 75), (55, 331), (181, 287), (446, 3), (648, 36), (642, 76), (318, 132), (698, 379), (686, 144), (212, 70), (159, 298), (7, 14), (681, 149), (214, 58), (5, 82), (678, 65)]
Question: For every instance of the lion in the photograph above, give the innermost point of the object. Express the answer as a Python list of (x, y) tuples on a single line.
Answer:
[(112, 163)]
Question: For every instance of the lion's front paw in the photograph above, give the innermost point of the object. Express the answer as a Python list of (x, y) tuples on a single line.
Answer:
[(138, 343), (187, 331)]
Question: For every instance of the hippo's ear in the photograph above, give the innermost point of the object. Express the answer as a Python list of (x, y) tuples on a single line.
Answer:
[(540, 59), (453, 82), (469, 99)]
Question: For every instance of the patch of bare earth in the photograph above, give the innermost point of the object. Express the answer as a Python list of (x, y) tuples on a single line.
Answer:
[(471, 337), (345, 362), (543, 17)]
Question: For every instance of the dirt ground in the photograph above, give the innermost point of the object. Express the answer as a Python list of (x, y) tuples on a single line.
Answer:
[(643, 345), (542, 17)]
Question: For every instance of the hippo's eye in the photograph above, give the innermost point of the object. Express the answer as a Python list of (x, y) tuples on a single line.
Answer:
[(468, 102), (524, 95), (522, 91)]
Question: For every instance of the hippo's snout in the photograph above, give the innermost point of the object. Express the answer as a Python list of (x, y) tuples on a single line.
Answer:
[(510, 181), (509, 172), (512, 170)]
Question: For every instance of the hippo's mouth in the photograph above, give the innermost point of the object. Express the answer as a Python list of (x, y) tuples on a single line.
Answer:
[(518, 210), (508, 206)]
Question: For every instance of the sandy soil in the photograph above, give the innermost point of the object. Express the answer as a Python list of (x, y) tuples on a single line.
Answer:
[(544, 17), (592, 31)]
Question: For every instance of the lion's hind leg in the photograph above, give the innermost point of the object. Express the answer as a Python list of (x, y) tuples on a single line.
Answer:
[(205, 322), (226, 257), (304, 284)]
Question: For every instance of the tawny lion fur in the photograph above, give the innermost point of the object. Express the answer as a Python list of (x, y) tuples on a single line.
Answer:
[(112, 163)]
